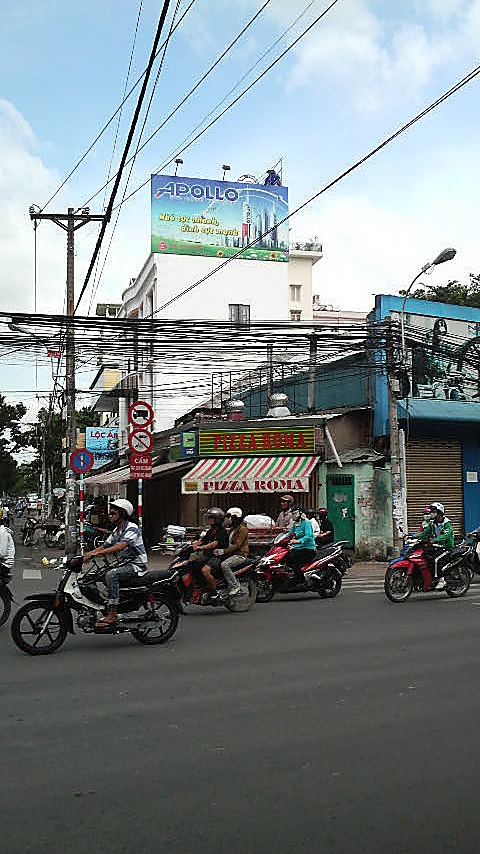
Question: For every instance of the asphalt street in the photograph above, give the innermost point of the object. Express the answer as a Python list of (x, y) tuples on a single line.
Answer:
[(348, 725)]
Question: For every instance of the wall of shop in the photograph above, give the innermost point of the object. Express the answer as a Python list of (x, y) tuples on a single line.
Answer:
[(373, 507)]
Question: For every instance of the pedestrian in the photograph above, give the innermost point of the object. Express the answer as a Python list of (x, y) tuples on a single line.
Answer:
[(285, 518)]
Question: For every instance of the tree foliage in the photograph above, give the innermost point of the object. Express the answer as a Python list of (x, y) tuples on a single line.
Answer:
[(11, 440), (453, 293)]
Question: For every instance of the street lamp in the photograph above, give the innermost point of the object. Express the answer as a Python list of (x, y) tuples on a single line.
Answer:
[(445, 255)]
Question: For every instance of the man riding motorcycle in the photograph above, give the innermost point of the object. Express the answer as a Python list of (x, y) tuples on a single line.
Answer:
[(302, 543), (126, 538), (237, 550), (215, 538), (436, 531)]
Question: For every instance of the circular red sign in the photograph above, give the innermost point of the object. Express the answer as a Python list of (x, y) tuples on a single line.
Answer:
[(140, 414), (81, 461), (140, 441)]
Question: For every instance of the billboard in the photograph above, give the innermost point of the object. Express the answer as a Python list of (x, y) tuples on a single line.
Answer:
[(443, 357), (196, 216), (102, 442)]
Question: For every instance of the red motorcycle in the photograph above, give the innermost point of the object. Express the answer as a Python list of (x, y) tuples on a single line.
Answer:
[(323, 575), (412, 572)]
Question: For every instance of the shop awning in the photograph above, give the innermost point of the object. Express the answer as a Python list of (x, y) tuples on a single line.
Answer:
[(114, 476), (244, 474)]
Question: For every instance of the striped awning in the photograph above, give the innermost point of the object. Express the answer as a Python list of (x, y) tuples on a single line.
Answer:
[(246, 474)]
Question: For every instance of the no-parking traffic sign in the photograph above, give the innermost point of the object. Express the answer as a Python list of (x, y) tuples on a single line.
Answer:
[(81, 461)]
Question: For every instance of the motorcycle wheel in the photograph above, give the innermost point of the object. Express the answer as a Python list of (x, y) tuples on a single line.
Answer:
[(27, 539), (61, 541), (246, 602), (27, 626), (398, 585), (333, 586), (457, 582), (5, 607), (265, 591), (167, 615), (49, 540)]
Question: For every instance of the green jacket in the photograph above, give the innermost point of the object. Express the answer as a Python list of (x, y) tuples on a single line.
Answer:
[(445, 537)]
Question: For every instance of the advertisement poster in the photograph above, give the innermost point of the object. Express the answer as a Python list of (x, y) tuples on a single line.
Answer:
[(102, 442), (443, 358), (196, 216)]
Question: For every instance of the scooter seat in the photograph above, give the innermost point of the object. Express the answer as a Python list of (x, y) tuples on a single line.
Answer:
[(149, 578)]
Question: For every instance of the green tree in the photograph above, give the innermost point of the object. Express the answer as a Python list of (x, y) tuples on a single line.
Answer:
[(50, 430), (453, 293), (11, 440)]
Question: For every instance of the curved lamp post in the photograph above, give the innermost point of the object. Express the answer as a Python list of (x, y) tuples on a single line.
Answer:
[(445, 255)]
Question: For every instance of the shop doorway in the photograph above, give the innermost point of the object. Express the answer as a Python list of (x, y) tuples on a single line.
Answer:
[(341, 507)]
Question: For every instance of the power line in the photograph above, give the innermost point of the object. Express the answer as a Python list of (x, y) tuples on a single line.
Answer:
[(190, 93), (108, 212), (453, 90), (238, 98), (107, 125)]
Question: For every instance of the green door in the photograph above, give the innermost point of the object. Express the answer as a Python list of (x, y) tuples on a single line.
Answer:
[(341, 507)]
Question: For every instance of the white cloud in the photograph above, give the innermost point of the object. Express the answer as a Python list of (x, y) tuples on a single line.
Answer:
[(369, 249), (24, 179)]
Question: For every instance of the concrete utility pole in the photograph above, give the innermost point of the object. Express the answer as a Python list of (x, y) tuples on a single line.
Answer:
[(398, 512), (70, 222)]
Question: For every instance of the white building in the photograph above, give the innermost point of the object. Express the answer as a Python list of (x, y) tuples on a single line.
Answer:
[(241, 291)]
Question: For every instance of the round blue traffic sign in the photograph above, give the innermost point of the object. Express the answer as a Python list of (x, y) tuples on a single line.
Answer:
[(81, 461)]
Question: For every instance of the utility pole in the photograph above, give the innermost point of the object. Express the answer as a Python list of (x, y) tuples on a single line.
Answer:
[(393, 386), (312, 374), (70, 222)]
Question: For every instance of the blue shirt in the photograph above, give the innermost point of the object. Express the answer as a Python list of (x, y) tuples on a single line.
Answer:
[(135, 552), (303, 532)]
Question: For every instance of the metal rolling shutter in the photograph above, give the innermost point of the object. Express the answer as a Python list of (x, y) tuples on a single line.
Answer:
[(434, 473)]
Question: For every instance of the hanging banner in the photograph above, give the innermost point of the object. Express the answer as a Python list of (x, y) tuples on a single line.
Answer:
[(195, 216)]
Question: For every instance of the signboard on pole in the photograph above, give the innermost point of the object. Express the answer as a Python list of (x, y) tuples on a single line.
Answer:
[(140, 414), (196, 216), (81, 461), (140, 441), (140, 467)]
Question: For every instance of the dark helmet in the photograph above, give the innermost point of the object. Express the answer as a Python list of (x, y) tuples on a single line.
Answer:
[(215, 513), (311, 514), (323, 511)]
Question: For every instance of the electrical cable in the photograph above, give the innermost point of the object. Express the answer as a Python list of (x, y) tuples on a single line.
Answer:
[(188, 95), (108, 212), (98, 276), (100, 134), (433, 105), (232, 103)]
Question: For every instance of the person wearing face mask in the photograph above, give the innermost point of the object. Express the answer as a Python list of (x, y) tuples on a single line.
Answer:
[(302, 543), (437, 533)]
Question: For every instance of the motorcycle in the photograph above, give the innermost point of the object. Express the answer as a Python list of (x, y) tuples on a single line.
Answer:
[(411, 571), (148, 609), (29, 529), (193, 594), (323, 575), (6, 597)]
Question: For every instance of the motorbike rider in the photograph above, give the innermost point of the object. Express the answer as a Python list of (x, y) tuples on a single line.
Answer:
[(215, 538), (285, 518), (7, 546), (312, 518), (237, 550), (438, 531), (302, 543), (126, 537), (326, 528)]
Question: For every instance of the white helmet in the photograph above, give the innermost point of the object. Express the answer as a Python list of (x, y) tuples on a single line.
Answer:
[(123, 504), (435, 505), (235, 511)]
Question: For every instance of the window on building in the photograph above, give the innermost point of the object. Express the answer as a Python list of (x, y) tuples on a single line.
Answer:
[(295, 314), (296, 293), (239, 314)]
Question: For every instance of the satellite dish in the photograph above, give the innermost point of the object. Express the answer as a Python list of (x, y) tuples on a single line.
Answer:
[(247, 179)]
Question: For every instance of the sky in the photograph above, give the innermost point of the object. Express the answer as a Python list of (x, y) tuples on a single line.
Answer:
[(366, 68)]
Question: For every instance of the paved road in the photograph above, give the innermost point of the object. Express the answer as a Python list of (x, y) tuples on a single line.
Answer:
[(347, 725)]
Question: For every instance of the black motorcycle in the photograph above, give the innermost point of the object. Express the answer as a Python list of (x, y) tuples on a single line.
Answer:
[(148, 609), (6, 597)]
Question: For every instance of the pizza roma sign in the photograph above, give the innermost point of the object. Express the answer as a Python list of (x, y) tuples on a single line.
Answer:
[(260, 443)]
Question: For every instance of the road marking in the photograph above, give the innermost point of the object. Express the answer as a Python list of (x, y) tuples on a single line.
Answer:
[(32, 573)]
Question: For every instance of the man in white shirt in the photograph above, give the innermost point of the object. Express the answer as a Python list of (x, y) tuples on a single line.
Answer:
[(7, 546)]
